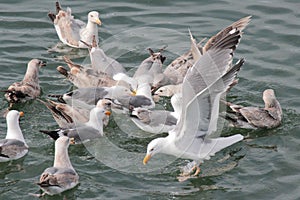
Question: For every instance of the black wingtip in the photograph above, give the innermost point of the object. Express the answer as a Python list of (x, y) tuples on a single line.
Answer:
[(53, 134)]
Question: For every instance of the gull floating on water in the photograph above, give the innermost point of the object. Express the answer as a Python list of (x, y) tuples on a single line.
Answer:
[(203, 86), (62, 176), (84, 77), (29, 87), (158, 121), (84, 131), (253, 117), (13, 146), (70, 31), (68, 116)]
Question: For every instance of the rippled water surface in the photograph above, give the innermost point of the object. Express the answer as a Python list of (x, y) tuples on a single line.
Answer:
[(265, 166)]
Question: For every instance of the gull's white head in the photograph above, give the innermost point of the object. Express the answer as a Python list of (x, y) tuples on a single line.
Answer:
[(97, 115), (155, 146), (13, 116), (165, 91), (93, 16), (104, 103), (62, 142), (118, 91)]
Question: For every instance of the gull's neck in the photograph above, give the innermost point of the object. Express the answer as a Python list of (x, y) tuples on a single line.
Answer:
[(95, 121), (31, 74), (92, 29), (14, 130), (61, 159)]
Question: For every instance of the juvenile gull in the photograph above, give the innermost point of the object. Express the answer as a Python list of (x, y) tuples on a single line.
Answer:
[(70, 31), (83, 131), (253, 117), (13, 146), (62, 176), (84, 77), (29, 87), (191, 138)]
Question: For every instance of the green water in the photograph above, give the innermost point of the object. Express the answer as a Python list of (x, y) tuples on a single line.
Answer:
[(265, 166)]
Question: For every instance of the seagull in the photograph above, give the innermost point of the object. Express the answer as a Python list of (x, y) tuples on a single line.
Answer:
[(253, 117), (168, 90), (203, 86), (29, 87), (62, 176), (158, 121), (83, 131), (13, 146), (92, 95), (101, 63), (68, 116), (71, 31), (84, 77)]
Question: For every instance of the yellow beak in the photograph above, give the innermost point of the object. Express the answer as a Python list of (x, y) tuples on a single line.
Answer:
[(21, 114), (133, 92), (146, 159), (97, 21)]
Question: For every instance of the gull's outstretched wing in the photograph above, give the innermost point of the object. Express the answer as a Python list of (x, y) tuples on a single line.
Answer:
[(200, 115)]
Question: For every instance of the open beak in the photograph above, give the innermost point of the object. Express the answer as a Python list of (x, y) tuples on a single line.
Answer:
[(107, 113), (146, 159), (21, 114), (97, 21)]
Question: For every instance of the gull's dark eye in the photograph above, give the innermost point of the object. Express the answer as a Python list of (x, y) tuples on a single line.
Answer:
[(152, 149), (92, 15), (160, 90)]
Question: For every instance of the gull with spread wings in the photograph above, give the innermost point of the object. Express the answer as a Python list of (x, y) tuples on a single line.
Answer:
[(202, 88)]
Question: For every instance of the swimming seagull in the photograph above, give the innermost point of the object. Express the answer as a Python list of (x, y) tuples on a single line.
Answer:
[(253, 117), (84, 77), (70, 31), (83, 131), (13, 146), (62, 176), (158, 121), (203, 87), (29, 87)]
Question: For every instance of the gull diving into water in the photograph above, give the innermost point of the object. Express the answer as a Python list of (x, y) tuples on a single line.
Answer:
[(202, 88), (70, 31), (13, 146), (62, 176), (253, 117), (29, 87)]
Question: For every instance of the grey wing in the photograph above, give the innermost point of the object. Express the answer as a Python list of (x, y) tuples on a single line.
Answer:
[(259, 117), (88, 95), (11, 148), (53, 176), (199, 118), (162, 117), (237, 26), (83, 133)]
